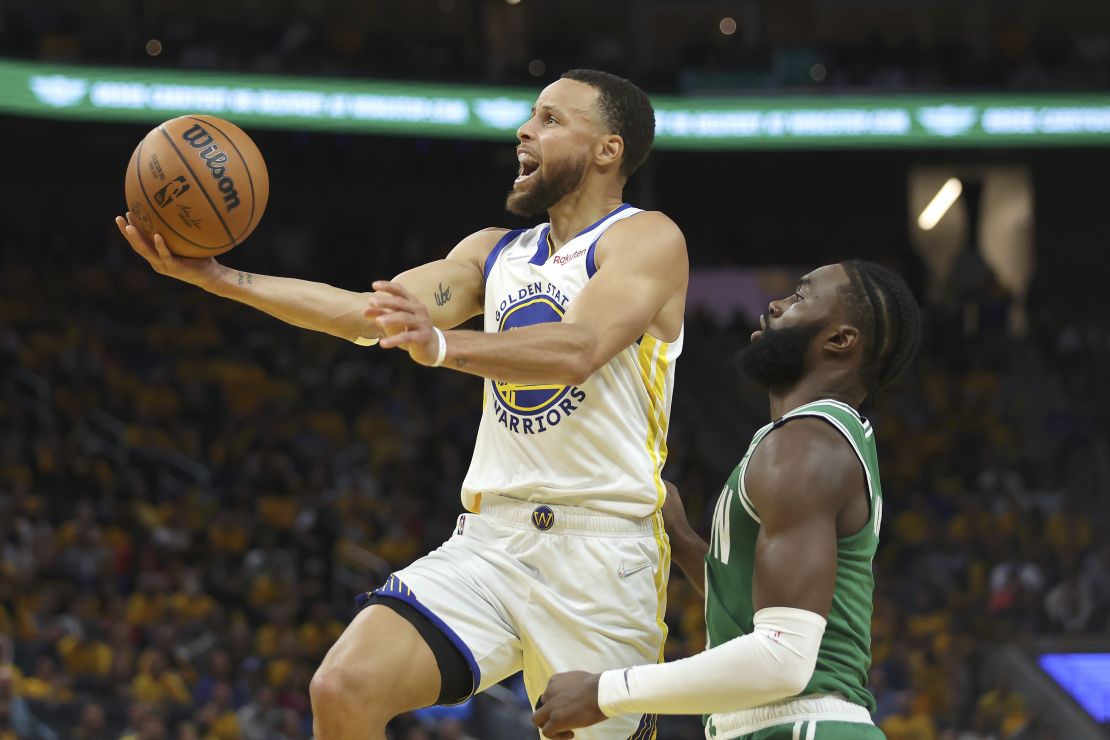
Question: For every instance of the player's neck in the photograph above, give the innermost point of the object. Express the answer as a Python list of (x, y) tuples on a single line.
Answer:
[(579, 210), (814, 388)]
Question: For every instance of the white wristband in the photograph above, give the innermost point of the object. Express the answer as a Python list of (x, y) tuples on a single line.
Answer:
[(442, 347)]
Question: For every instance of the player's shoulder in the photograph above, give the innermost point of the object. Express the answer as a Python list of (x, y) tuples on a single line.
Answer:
[(488, 236), (654, 224), (807, 444), (477, 246), (808, 457), (648, 234)]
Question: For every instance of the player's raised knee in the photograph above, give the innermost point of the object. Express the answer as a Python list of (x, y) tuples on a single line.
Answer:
[(341, 695), (334, 689), (379, 668)]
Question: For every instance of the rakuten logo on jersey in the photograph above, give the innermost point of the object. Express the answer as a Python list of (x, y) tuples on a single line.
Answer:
[(562, 259)]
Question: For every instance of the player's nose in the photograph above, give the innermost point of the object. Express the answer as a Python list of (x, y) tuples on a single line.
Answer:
[(524, 133)]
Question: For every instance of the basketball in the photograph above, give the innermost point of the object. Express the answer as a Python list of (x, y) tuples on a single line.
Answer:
[(200, 182)]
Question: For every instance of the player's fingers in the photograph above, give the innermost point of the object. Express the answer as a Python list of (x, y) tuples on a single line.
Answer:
[(131, 223), (162, 250), (388, 286), (140, 245), (539, 717), (551, 730), (401, 339), (133, 234), (128, 233), (396, 318), (387, 300)]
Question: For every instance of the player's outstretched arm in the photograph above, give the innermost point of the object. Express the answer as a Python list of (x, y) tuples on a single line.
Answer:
[(453, 288), (318, 306), (642, 268), (799, 480), (688, 549)]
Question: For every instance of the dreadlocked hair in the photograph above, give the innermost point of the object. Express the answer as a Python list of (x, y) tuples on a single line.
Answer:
[(883, 306)]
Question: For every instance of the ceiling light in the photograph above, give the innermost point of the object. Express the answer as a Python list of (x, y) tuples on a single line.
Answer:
[(940, 204)]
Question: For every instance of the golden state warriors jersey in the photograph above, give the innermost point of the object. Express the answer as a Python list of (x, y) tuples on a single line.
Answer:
[(601, 444)]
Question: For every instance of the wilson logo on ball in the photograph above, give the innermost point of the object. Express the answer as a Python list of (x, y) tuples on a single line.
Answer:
[(210, 153)]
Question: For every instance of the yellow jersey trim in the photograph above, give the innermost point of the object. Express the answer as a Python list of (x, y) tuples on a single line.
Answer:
[(652, 360)]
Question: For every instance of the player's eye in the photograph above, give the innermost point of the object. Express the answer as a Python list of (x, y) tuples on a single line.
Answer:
[(797, 295), (550, 119)]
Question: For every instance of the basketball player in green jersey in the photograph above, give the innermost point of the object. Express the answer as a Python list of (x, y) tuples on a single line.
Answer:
[(787, 571)]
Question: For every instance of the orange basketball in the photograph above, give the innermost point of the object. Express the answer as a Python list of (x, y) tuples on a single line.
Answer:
[(200, 182)]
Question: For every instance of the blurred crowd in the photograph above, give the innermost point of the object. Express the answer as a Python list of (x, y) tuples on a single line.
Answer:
[(189, 503), (191, 493), (697, 48)]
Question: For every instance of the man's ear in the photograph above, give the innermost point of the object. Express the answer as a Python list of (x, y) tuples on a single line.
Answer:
[(842, 338), (611, 150)]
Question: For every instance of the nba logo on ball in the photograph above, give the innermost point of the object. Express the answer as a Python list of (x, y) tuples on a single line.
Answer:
[(543, 518)]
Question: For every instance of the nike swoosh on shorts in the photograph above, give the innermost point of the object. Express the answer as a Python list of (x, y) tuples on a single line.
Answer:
[(622, 573)]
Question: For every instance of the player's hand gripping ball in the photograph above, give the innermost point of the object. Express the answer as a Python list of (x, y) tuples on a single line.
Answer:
[(199, 182)]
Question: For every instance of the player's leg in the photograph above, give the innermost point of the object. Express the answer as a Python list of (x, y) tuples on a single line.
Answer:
[(434, 633), (602, 607), (380, 667)]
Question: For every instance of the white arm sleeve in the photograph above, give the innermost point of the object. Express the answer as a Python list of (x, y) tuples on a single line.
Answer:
[(774, 662)]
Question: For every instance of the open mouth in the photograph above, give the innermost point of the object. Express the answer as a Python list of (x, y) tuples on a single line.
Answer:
[(528, 166)]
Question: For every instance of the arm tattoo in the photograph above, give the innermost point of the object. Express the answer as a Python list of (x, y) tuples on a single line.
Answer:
[(245, 278), (443, 295)]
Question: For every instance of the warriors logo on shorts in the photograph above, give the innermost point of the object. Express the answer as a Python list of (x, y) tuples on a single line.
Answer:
[(543, 518)]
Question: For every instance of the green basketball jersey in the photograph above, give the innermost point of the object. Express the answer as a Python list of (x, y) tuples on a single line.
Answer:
[(845, 654)]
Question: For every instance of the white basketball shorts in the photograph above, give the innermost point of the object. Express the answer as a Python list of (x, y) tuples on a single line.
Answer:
[(545, 589)]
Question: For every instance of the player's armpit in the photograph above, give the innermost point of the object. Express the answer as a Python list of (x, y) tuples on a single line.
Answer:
[(453, 288), (642, 273), (799, 479)]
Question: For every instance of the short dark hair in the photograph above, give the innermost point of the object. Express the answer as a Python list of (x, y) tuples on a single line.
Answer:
[(884, 307), (625, 109)]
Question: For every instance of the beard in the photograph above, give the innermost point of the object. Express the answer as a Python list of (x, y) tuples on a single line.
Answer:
[(544, 191), (777, 359)]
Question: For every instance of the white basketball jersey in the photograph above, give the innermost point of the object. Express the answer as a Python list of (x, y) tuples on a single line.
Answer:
[(601, 444)]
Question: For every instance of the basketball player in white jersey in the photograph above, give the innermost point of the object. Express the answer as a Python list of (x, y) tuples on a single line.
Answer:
[(561, 561)]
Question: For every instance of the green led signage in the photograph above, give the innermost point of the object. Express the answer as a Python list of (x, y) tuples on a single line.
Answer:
[(419, 109)]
